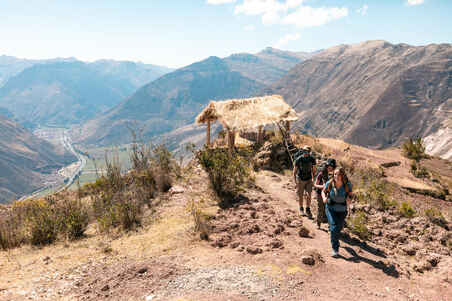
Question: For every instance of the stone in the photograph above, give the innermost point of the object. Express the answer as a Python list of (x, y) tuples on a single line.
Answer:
[(176, 190), (254, 250), (142, 270), (308, 260), (304, 232)]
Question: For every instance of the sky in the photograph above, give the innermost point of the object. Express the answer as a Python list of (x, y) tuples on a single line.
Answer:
[(176, 33)]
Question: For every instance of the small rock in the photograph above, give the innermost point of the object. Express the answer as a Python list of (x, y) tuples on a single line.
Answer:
[(235, 244), (142, 270), (304, 232), (106, 287), (308, 260), (176, 190), (254, 250)]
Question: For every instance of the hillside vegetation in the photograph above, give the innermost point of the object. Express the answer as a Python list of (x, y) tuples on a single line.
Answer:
[(234, 233)]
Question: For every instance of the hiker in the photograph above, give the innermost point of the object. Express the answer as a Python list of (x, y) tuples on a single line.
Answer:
[(337, 197), (303, 173), (320, 181)]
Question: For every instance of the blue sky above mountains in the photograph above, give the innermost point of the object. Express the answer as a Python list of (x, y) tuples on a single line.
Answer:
[(177, 33)]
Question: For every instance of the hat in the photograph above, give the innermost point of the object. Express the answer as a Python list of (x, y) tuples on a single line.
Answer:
[(331, 162)]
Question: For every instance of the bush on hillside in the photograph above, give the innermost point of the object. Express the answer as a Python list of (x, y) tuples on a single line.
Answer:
[(414, 148), (435, 216), (11, 230), (227, 172), (357, 225), (418, 170), (41, 221), (406, 210), (73, 218), (374, 190)]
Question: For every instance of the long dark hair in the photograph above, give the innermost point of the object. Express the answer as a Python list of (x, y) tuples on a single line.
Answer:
[(345, 181)]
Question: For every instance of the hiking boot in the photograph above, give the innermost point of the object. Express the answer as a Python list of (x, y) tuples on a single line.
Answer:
[(335, 254), (308, 213), (302, 211)]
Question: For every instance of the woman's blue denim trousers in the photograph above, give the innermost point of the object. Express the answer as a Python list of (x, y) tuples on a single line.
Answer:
[(336, 220)]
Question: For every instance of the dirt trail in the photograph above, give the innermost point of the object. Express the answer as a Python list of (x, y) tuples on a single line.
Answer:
[(166, 262), (363, 272)]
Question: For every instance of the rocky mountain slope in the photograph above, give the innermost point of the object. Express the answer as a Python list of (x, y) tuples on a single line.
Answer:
[(11, 66), (170, 101), (374, 93), (66, 91), (267, 66), (25, 160), (257, 248), (173, 100)]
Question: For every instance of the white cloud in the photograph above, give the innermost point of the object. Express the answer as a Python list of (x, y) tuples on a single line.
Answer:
[(215, 2), (250, 28), (270, 10), (363, 10), (414, 2), (286, 39), (307, 16), (290, 12)]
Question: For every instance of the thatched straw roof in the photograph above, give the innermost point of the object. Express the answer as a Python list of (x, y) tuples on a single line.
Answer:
[(248, 113)]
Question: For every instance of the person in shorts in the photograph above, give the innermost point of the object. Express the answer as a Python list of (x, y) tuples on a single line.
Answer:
[(303, 173)]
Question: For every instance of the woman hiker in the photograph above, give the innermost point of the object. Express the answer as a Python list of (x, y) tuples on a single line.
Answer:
[(320, 181), (337, 196)]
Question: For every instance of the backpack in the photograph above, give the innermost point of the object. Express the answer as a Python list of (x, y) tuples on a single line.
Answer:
[(304, 167), (299, 153), (346, 188), (320, 170)]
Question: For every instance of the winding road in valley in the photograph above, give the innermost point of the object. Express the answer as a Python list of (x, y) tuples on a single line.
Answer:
[(58, 136)]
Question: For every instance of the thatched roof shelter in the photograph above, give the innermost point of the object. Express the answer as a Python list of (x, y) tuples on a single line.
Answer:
[(247, 113)]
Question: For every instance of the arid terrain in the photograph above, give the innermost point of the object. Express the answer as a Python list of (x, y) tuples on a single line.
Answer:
[(260, 248)]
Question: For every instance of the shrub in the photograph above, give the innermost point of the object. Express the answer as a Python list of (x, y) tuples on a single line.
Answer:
[(418, 170), (227, 172), (414, 148), (375, 192), (199, 218), (41, 222), (435, 216), (357, 225), (406, 210), (73, 218), (11, 232)]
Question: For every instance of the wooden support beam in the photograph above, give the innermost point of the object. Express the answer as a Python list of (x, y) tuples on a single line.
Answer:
[(260, 134), (208, 134), (288, 126), (231, 140)]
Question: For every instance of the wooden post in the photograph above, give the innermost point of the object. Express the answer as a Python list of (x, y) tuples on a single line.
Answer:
[(259, 134), (231, 141), (208, 133), (288, 126)]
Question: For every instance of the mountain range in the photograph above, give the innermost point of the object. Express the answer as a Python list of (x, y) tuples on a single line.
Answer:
[(63, 92), (174, 99), (374, 93), (25, 160)]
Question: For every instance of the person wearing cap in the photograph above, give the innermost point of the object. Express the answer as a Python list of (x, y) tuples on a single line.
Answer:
[(303, 173)]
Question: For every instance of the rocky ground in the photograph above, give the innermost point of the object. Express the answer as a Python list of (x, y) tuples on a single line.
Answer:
[(260, 248)]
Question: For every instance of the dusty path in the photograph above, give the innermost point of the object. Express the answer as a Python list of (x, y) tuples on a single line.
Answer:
[(364, 272), (166, 262)]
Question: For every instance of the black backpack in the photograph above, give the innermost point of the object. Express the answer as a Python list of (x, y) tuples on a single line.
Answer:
[(304, 167)]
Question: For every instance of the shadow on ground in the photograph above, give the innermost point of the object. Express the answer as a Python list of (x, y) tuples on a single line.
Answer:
[(388, 269)]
